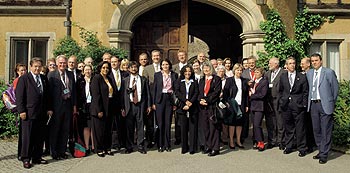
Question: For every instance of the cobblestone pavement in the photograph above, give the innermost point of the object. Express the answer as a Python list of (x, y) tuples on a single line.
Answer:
[(246, 160)]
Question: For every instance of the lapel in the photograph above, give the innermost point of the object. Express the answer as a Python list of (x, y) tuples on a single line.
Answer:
[(296, 80), (33, 83), (321, 76)]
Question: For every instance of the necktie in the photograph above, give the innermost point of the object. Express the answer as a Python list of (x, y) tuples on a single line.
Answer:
[(252, 74), (134, 87), (291, 82), (117, 79), (273, 75), (38, 84), (314, 87)]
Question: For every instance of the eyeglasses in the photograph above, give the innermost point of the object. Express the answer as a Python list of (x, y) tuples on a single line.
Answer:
[(52, 65)]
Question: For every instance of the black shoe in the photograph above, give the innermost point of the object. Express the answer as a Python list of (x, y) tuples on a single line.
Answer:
[(239, 146), (310, 149), (213, 153), (177, 142), (40, 161), (302, 153), (142, 150), (192, 152), (270, 146), (27, 165), (322, 160), (101, 154), (317, 156), (287, 151), (109, 153), (64, 156), (232, 148), (184, 151), (207, 151), (281, 147), (150, 145), (128, 151), (255, 146), (168, 149), (56, 157), (160, 149), (201, 148)]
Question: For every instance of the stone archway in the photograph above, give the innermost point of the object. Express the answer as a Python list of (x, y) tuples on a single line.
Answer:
[(247, 13)]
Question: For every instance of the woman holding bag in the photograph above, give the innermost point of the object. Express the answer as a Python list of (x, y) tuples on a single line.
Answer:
[(186, 90)]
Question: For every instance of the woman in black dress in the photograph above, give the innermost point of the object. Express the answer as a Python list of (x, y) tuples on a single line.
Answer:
[(186, 90), (84, 102), (101, 108)]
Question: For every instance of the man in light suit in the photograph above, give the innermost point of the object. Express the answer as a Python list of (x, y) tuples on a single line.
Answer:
[(137, 100), (182, 57), (148, 73), (33, 106), (293, 95), (274, 120), (323, 92)]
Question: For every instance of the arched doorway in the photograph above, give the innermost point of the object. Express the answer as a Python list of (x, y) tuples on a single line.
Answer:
[(159, 28), (247, 13)]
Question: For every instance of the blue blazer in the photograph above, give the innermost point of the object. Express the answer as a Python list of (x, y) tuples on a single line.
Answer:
[(328, 88)]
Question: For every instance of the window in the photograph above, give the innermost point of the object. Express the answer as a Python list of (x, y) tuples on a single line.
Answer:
[(330, 54), (23, 49)]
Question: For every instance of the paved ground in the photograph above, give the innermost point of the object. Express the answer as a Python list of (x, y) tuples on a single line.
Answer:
[(228, 161)]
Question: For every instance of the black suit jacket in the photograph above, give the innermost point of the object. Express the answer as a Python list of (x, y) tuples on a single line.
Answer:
[(30, 100), (259, 97), (81, 94), (158, 85), (56, 90), (180, 92), (118, 94), (273, 92), (100, 100), (145, 101), (298, 96), (214, 90)]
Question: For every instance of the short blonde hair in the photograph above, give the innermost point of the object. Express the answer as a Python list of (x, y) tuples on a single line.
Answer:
[(237, 66)]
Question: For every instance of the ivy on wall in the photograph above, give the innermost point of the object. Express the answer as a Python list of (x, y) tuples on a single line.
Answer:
[(278, 44), (91, 46)]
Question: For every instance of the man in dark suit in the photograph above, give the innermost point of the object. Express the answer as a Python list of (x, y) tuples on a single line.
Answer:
[(72, 66), (274, 121), (118, 125), (182, 57), (33, 106), (293, 93), (137, 99), (148, 73), (323, 93), (63, 95)]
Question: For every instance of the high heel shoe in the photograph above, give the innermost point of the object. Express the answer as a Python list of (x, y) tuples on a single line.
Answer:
[(239, 146), (101, 154), (232, 148)]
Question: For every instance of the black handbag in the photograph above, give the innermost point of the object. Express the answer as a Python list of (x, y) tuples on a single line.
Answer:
[(221, 113)]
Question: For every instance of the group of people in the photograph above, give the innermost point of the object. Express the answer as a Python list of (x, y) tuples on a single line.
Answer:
[(117, 106)]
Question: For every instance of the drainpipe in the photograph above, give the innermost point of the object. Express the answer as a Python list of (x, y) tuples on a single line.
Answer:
[(68, 22)]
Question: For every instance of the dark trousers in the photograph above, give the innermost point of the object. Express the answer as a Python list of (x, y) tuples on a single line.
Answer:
[(102, 133), (19, 147), (189, 131), (177, 127), (119, 130), (210, 128), (322, 125), (310, 140), (134, 116), (245, 125), (149, 123), (257, 129), (59, 130), (294, 127), (274, 124), (164, 112), (32, 139)]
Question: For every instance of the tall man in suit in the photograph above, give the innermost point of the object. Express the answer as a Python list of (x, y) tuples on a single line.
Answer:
[(63, 95), (274, 120), (293, 93), (72, 66), (143, 61), (148, 73), (118, 125), (323, 93), (137, 100), (182, 57), (33, 106)]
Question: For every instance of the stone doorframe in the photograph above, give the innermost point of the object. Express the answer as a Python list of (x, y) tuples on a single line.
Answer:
[(245, 11)]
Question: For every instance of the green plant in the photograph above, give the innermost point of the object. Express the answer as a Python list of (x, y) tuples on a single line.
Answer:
[(7, 119), (91, 46), (278, 44), (341, 133)]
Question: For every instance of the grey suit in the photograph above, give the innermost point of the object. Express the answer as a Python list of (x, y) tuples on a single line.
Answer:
[(322, 109), (274, 120)]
